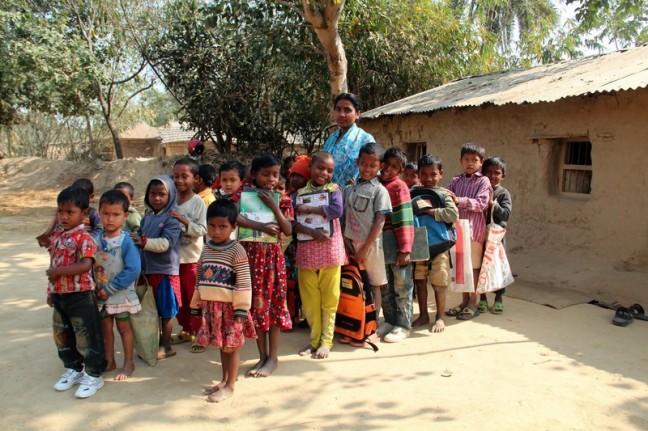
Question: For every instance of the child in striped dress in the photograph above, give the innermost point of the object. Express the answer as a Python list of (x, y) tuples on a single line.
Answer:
[(319, 259), (224, 293)]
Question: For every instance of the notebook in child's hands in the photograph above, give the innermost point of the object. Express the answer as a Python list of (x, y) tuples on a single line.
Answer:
[(253, 208), (314, 221)]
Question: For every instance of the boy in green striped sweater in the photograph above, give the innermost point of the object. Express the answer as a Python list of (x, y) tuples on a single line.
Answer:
[(397, 295)]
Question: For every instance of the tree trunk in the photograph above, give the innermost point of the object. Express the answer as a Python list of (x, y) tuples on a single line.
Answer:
[(88, 121), (105, 108), (324, 20)]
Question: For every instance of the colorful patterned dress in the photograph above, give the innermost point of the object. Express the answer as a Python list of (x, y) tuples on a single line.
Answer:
[(268, 271)]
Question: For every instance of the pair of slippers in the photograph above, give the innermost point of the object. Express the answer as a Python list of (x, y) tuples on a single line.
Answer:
[(625, 315)]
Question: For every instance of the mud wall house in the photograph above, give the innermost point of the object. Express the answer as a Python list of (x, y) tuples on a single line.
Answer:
[(575, 139), (147, 141)]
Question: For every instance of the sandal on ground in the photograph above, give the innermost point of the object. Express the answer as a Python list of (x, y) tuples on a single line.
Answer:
[(482, 306), (498, 307), (357, 343), (638, 312), (197, 348), (467, 314), (164, 355), (455, 311), (345, 339), (622, 317), (181, 337)]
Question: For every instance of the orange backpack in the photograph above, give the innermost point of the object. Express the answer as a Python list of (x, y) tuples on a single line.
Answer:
[(356, 313)]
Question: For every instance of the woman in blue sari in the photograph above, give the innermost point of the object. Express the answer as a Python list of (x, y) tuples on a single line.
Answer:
[(344, 144)]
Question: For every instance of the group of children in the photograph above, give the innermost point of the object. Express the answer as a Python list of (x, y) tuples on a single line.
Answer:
[(222, 291)]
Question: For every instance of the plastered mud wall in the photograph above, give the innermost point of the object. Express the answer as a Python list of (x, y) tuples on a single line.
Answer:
[(611, 222)]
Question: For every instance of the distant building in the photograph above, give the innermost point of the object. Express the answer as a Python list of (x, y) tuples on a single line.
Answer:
[(147, 141)]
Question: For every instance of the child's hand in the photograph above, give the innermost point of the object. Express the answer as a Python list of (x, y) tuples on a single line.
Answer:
[(271, 229), (137, 239), (430, 211), (301, 209), (52, 274), (176, 215), (102, 295), (361, 255), (493, 202), (50, 301), (402, 259), (43, 240), (268, 199), (454, 197), (319, 235)]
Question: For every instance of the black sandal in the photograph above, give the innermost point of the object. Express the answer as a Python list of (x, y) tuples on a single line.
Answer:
[(638, 312), (622, 317)]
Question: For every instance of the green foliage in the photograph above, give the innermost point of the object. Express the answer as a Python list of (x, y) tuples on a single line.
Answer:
[(402, 47), (518, 29), (39, 68), (619, 22), (243, 73)]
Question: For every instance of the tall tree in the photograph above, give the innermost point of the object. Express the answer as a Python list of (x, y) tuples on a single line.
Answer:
[(324, 16)]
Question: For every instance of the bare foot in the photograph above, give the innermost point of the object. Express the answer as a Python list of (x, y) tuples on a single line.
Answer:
[(422, 320), (224, 393), (322, 352), (439, 326), (213, 389), (125, 372), (307, 351), (255, 369), (110, 365), (268, 367)]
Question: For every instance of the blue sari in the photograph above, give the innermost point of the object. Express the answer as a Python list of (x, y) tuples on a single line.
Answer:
[(346, 152)]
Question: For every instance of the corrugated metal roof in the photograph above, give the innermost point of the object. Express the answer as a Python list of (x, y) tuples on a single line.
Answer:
[(618, 70)]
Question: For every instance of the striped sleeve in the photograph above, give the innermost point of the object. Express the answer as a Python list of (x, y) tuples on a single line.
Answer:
[(242, 297)]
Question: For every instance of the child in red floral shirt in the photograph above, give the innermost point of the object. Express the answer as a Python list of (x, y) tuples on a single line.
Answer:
[(76, 320)]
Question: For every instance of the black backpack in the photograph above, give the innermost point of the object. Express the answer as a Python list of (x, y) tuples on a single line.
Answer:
[(441, 235)]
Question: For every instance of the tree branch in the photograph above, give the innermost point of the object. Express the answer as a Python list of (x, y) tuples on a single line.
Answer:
[(121, 111)]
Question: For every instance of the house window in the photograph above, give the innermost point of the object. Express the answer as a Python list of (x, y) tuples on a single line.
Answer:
[(415, 150), (576, 168)]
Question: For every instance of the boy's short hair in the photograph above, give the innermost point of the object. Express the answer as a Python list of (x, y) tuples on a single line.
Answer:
[(288, 159), (494, 161), (396, 153), (76, 196), (84, 184), (194, 167), (208, 174), (321, 155), (223, 208), (411, 166), (126, 186), (264, 161), (233, 165), (114, 197), (372, 148), (472, 148), (430, 160)]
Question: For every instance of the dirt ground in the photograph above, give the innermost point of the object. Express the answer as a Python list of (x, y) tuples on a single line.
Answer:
[(531, 368)]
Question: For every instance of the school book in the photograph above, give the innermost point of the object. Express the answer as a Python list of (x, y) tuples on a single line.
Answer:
[(420, 248), (251, 207), (314, 221)]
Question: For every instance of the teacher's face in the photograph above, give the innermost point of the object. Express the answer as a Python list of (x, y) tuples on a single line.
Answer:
[(345, 114)]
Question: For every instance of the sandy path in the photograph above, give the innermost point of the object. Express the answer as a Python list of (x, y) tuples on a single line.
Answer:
[(531, 368)]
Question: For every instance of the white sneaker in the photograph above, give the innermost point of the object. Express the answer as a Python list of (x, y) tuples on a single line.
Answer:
[(69, 378), (397, 334), (89, 386), (384, 329)]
